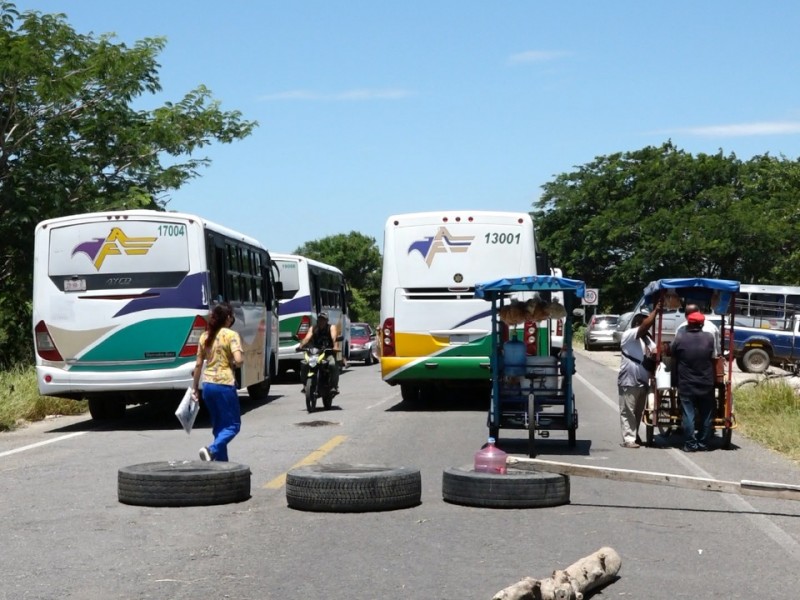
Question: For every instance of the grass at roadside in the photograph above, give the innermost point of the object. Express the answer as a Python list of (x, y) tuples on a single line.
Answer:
[(769, 413), (20, 400)]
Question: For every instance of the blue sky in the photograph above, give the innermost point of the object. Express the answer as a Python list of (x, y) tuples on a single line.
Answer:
[(370, 108)]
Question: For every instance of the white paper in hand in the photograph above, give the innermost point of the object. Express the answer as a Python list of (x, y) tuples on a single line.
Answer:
[(187, 411)]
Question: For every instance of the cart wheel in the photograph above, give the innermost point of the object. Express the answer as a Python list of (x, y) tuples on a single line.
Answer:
[(727, 434), (649, 434), (531, 427)]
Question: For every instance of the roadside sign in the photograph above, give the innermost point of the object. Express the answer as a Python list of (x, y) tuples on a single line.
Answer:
[(590, 298)]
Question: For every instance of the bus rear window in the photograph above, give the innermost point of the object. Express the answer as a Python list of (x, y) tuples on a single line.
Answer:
[(289, 277), (118, 255)]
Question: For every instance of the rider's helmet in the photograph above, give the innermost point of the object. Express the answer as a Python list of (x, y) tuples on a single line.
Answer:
[(323, 315)]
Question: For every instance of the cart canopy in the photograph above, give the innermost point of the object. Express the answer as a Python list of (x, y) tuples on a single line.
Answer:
[(531, 283), (717, 293)]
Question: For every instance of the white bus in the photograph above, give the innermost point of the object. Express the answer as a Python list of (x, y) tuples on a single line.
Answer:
[(309, 287), (434, 333), (120, 300)]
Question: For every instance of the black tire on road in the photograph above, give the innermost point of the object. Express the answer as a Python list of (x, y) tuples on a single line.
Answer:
[(352, 488), (183, 483), (516, 489)]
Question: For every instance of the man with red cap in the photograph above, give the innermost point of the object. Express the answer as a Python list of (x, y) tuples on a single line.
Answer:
[(693, 351)]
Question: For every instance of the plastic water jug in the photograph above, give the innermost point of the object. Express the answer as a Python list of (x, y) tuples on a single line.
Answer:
[(490, 459), (514, 355), (663, 377)]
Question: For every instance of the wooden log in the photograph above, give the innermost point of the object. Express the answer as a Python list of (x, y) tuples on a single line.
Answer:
[(745, 487), (593, 571)]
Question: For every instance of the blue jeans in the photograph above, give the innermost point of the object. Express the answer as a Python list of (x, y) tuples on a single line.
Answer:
[(698, 409), (222, 402)]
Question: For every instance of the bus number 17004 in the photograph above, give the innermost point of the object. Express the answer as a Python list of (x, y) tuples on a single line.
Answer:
[(171, 230), (502, 238)]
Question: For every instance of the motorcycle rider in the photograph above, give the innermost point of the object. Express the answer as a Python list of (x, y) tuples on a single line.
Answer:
[(322, 335)]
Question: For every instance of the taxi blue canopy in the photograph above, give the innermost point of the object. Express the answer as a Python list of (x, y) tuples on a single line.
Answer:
[(530, 283), (693, 289)]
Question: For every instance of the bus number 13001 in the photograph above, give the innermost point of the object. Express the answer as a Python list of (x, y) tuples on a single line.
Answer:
[(502, 238)]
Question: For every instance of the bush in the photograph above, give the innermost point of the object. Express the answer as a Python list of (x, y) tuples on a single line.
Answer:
[(20, 400), (769, 413)]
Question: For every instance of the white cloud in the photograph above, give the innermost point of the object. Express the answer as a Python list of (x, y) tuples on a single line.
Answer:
[(536, 56), (742, 129), (355, 95)]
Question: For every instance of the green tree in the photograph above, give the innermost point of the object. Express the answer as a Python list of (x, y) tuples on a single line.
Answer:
[(70, 141), (359, 258), (629, 218)]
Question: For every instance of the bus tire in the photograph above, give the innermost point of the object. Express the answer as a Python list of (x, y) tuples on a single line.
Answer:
[(755, 360), (515, 489), (259, 391), (105, 409), (352, 488), (409, 393), (183, 483)]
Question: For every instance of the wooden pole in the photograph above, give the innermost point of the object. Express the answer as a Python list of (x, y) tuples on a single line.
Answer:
[(745, 487)]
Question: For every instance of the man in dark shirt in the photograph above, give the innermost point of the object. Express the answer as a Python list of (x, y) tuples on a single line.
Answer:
[(693, 364)]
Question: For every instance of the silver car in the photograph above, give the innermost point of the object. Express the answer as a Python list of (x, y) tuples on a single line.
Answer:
[(600, 332)]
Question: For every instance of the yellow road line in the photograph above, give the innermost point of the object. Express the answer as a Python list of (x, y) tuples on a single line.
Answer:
[(312, 458)]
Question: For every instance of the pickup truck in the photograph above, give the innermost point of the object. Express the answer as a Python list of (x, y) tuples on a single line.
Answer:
[(761, 342)]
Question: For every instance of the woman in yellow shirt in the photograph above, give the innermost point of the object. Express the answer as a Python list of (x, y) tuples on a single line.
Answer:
[(221, 349)]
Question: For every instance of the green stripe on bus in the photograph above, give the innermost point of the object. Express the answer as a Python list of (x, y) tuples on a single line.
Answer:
[(143, 341)]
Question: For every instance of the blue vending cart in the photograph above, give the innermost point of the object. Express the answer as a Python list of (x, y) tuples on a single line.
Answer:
[(715, 297), (536, 394)]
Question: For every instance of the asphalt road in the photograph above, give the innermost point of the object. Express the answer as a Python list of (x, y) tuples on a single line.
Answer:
[(65, 535)]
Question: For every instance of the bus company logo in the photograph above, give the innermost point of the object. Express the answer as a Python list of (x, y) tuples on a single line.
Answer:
[(442, 242), (115, 244)]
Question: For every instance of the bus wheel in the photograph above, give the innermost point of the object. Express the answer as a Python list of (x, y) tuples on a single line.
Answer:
[(104, 409), (410, 393), (352, 488), (514, 489), (183, 483), (259, 391)]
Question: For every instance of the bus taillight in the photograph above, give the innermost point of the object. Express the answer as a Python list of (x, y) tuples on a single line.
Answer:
[(193, 339), (45, 347), (560, 327), (530, 338), (387, 338), (302, 329)]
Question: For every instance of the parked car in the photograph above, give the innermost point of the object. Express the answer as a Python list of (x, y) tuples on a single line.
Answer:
[(600, 332), (623, 323), (363, 344)]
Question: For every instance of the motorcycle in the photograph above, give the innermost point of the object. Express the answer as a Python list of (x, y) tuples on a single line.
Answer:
[(317, 384)]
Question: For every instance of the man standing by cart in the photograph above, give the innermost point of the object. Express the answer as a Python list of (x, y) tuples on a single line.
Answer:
[(634, 379), (693, 351)]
